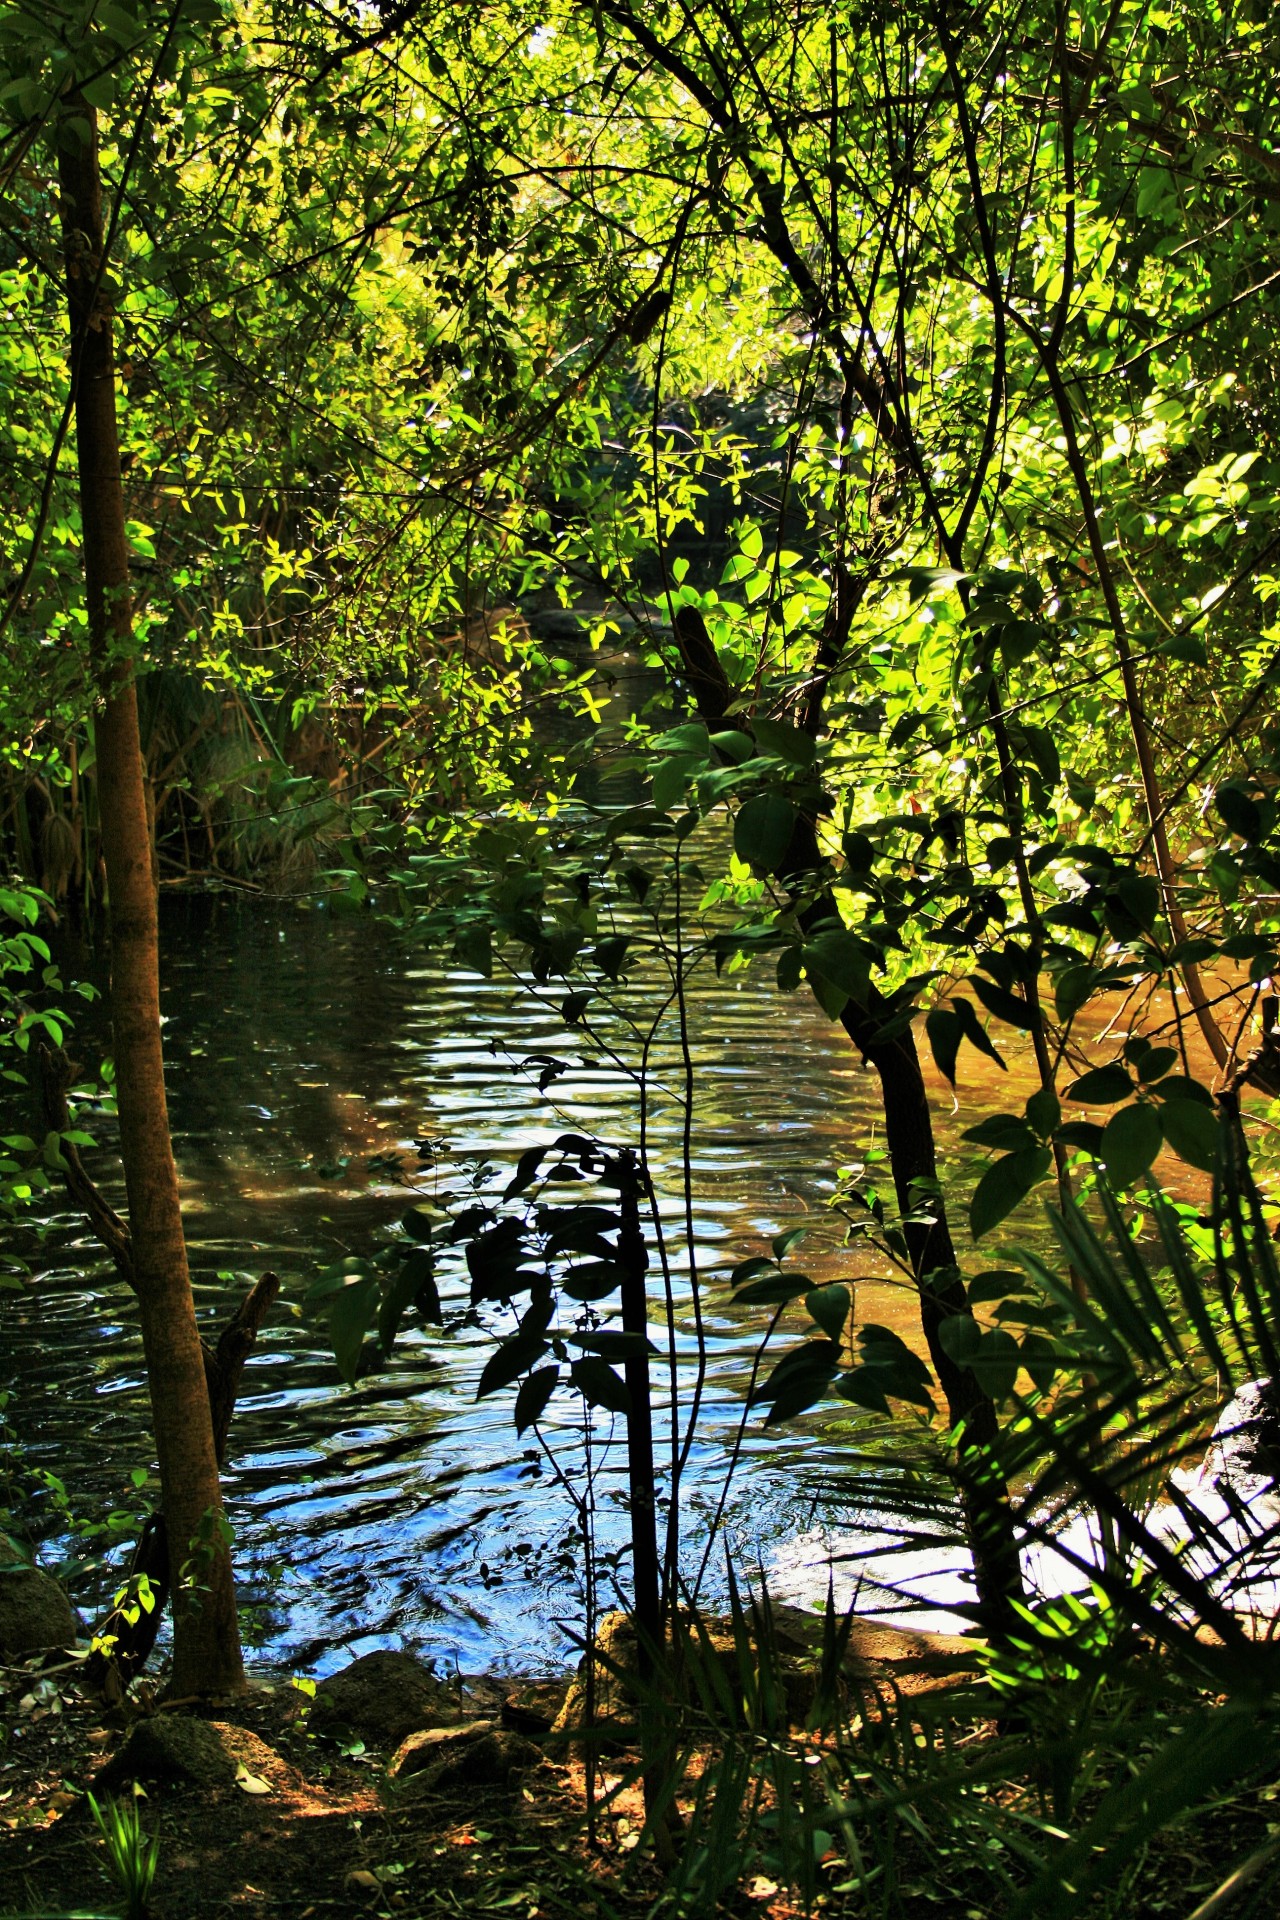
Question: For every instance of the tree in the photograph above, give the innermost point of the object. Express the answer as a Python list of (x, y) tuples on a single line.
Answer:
[(206, 1642)]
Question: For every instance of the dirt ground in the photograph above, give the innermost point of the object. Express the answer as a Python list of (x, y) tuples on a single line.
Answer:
[(312, 1825), (316, 1831)]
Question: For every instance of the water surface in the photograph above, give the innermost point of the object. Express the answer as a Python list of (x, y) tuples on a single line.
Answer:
[(306, 1056)]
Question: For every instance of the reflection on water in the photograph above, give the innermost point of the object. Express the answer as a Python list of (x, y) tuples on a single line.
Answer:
[(301, 1050)]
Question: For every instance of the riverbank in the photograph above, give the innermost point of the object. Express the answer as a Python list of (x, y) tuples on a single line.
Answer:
[(387, 1791)]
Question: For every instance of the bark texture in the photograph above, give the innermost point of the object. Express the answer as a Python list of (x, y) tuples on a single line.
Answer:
[(206, 1640)]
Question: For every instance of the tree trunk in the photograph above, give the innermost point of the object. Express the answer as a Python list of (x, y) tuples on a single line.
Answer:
[(206, 1639), (913, 1163)]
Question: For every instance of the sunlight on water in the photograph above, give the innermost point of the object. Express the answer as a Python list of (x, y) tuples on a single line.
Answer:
[(299, 1049)]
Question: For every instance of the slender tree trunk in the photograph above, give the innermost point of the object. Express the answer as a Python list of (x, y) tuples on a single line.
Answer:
[(913, 1162), (206, 1639)]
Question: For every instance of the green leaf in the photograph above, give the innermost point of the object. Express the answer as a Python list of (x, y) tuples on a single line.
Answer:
[(840, 958), (1225, 875), (599, 1385), (1239, 811), (1177, 1086), (1009, 1007), (672, 776), (734, 746), (1044, 1111), (532, 1398), (1004, 1184), (1072, 989), (1133, 901), (1131, 1140), (1187, 647), (1007, 1131), (1040, 1358), (783, 742), (1155, 1062), (829, 1307), (864, 1388), (351, 1315), (1192, 1131), (690, 737), (996, 1363), (960, 1336), (473, 949), (996, 1283), (762, 831), (413, 1285), (782, 1243), (1101, 1087)]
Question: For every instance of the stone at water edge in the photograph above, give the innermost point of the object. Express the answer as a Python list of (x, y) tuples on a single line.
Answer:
[(381, 1698), (1244, 1450), (35, 1614)]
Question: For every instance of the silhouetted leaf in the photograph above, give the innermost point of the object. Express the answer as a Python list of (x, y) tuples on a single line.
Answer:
[(1131, 1140), (512, 1358), (1009, 1007), (762, 831), (1191, 1130), (612, 1343), (532, 1398), (593, 1280), (1101, 1087), (526, 1171), (1044, 1111), (1004, 1184), (599, 1385), (351, 1314), (829, 1307)]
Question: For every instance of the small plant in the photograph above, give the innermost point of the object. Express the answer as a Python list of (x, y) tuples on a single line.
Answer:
[(132, 1854)]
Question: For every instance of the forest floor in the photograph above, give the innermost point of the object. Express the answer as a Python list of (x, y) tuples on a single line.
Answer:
[(315, 1831), (311, 1826)]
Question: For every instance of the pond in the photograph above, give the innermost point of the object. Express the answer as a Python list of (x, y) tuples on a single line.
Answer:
[(306, 1056)]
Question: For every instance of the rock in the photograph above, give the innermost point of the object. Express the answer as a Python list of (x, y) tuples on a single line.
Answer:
[(35, 1614), (477, 1754), (424, 1748), (257, 1765), (381, 1698), (171, 1750), (910, 1662), (179, 1750), (534, 1706)]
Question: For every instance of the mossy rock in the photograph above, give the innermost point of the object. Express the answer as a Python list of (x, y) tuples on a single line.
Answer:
[(381, 1698), (35, 1614)]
